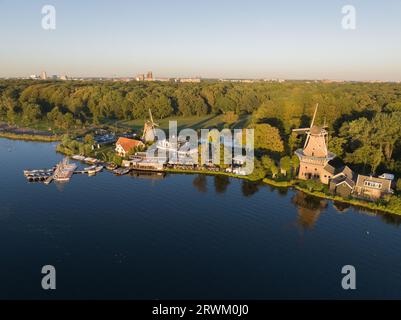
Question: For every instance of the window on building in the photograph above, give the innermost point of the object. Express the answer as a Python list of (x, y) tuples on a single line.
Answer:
[(373, 184)]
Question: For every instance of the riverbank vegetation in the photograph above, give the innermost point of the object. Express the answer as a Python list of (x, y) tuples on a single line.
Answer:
[(363, 119), (29, 137)]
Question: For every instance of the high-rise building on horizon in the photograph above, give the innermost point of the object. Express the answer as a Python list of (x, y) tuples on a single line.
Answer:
[(149, 76), (43, 76)]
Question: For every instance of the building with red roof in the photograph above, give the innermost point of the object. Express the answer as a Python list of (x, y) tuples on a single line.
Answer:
[(125, 145)]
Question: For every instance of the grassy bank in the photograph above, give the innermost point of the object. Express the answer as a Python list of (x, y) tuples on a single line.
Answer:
[(29, 137), (210, 173), (374, 206), (280, 184)]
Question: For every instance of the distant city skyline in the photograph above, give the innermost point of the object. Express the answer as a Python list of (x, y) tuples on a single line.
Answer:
[(256, 39)]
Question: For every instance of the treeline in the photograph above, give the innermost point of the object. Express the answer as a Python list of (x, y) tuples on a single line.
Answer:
[(66, 102)]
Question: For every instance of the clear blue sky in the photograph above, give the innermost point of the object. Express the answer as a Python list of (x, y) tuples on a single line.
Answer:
[(208, 38)]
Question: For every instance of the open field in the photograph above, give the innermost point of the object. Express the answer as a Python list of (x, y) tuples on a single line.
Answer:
[(194, 122)]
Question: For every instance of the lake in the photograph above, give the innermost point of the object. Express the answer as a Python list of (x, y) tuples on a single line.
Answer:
[(183, 236)]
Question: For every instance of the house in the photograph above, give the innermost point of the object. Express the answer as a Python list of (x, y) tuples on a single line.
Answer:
[(343, 182), (125, 145), (372, 188)]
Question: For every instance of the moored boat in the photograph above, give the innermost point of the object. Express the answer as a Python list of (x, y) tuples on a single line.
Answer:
[(78, 157), (111, 166), (121, 171), (90, 168), (94, 169)]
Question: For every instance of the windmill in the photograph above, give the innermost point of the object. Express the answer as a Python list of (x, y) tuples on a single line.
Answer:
[(316, 139), (149, 129), (314, 156)]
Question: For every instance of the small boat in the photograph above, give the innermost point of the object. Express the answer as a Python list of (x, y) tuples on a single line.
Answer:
[(39, 171), (78, 157), (121, 171), (91, 160), (111, 166), (94, 170), (90, 168)]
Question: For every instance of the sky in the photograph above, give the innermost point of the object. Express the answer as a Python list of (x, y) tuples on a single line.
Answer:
[(297, 39)]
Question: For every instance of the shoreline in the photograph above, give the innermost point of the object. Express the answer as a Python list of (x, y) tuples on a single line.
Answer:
[(278, 184), (29, 137), (372, 206)]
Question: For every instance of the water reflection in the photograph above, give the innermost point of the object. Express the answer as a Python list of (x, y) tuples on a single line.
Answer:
[(391, 219), (282, 191), (309, 209), (341, 206), (249, 188), (60, 186), (147, 175), (221, 183), (200, 183)]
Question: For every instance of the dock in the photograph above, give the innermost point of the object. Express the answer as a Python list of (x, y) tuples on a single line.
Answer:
[(49, 179)]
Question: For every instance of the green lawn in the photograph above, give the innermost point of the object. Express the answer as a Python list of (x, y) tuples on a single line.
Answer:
[(194, 122)]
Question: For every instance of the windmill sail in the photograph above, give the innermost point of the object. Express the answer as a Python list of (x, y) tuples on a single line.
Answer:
[(149, 128), (314, 115)]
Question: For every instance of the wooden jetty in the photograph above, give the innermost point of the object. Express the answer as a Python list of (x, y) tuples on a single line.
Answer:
[(49, 179), (64, 170)]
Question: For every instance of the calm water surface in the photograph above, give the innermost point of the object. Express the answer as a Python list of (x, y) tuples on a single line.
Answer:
[(183, 236)]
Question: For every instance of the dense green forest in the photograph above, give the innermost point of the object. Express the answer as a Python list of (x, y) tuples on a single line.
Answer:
[(364, 119)]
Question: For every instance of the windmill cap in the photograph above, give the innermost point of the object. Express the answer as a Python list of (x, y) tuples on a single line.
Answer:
[(316, 130)]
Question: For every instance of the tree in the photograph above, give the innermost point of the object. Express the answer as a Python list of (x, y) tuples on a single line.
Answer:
[(31, 113), (67, 121), (295, 163), (258, 172), (294, 141), (336, 145), (89, 139), (398, 186), (285, 165), (267, 163), (268, 138)]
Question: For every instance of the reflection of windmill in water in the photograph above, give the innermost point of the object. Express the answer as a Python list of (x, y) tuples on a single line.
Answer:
[(309, 209), (314, 156), (149, 129)]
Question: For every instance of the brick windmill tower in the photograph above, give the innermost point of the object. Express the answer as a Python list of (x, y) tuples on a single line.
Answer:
[(314, 157)]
